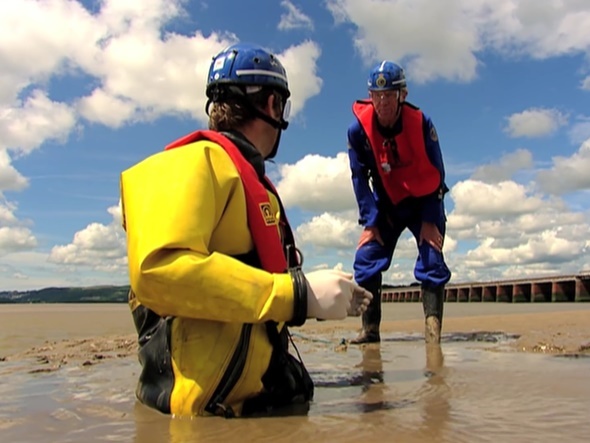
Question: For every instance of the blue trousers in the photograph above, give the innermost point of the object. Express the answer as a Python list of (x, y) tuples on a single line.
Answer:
[(371, 259)]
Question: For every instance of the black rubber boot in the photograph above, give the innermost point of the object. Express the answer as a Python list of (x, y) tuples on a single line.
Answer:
[(433, 301), (372, 316)]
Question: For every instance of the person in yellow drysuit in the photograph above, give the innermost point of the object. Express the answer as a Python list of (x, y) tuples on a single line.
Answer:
[(214, 272)]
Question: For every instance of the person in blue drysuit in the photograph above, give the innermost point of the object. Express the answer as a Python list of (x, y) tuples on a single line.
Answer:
[(399, 182)]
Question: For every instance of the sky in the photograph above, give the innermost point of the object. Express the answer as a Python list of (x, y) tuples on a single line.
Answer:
[(89, 88)]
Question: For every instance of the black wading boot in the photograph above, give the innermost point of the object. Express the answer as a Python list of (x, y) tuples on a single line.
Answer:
[(372, 316), (433, 302)]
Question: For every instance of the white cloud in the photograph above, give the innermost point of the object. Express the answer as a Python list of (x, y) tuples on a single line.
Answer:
[(446, 50), (329, 231), (546, 247), (460, 222), (16, 238), (505, 168), (300, 62), (154, 74), (535, 122), (28, 124), (51, 34), (98, 246), (120, 15), (567, 173), (10, 178), (580, 130), (539, 29), (460, 29), (294, 18), (7, 216), (398, 275), (14, 234), (122, 47), (505, 198), (106, 109), (317, 183), (338, 267), (586, 84), (506, 229)]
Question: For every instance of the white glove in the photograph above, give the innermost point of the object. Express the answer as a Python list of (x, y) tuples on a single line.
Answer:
[(333, 295)]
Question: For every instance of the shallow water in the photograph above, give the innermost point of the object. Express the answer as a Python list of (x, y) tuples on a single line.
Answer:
[(400, 390)]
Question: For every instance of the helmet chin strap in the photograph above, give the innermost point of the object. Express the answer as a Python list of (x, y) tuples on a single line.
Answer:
[(277, 124), (275, 148), (281, 125)]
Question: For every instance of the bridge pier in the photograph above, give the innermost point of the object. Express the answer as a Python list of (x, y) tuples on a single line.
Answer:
[(563, 291), (451, 294), (463, 295), (489, 293), (583, 289), (541, 292), (504, 293), (475, 293), (521, 293)]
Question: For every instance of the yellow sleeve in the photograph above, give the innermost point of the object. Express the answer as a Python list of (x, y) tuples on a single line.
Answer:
[(185, 213)]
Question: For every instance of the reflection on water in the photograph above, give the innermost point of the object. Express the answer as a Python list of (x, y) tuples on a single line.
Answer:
[(395, 391)]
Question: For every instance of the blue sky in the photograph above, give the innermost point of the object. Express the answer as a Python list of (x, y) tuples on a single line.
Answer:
[(89, 88)]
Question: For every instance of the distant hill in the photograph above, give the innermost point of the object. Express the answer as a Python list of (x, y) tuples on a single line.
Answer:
[(91, 294)]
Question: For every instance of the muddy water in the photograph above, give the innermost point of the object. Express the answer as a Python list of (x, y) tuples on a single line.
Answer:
[(472, 389)]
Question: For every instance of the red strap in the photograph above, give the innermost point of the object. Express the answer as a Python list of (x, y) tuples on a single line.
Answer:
[(262, 221)]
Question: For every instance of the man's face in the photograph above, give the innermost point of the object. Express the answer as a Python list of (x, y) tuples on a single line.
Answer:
[(386, 104)]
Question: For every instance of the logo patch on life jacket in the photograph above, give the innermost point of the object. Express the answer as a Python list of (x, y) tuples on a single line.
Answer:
[(267, 214)]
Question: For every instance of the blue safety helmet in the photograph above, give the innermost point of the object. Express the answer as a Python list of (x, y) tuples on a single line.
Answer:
[(386, 76), (242, 65)]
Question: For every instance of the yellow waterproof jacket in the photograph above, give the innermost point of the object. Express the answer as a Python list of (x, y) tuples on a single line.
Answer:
[(204, 310)]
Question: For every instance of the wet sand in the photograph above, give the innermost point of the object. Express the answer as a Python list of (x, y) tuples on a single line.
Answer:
[(503, 373)]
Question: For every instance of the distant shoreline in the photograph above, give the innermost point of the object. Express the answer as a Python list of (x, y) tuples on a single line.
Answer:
[(92, 294)]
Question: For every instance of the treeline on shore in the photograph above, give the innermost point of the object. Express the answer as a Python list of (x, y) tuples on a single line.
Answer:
[(93, 294)]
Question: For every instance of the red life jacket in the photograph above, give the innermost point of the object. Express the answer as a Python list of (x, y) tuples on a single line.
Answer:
[(407, 172), (261, 221)]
